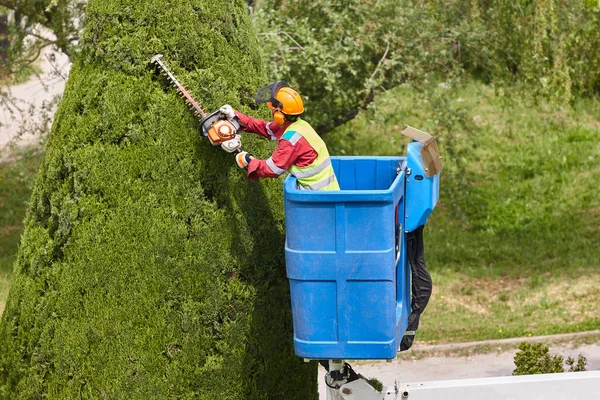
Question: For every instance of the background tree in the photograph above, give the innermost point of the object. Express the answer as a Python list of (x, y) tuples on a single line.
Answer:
[(36, 24), (149, 264), (340, 54)]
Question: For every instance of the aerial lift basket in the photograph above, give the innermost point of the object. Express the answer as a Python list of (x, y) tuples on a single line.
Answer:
[(346, 253)]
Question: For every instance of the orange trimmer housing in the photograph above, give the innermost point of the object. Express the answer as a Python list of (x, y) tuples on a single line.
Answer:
[(218, 129)]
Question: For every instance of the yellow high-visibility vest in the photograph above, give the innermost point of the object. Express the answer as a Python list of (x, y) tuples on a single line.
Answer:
[(319, 175)]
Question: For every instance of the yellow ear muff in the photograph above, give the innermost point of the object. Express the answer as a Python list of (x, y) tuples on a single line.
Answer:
[(278, 117)]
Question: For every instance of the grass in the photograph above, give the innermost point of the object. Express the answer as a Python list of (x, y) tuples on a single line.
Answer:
[(16, 182), (514, 243), (420, 352), (4, 286), (490, 308)]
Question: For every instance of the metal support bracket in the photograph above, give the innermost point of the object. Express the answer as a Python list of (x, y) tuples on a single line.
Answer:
[(345, 384)]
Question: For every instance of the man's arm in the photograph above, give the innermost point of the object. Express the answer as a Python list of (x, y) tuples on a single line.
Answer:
[(258, 126), (285, 155)]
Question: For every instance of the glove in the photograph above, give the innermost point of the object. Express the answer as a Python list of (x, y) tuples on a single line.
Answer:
[(243, 159), (227, 111)]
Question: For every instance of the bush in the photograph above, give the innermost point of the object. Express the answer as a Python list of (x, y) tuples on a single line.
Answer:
[(150, 267), (536, 359)]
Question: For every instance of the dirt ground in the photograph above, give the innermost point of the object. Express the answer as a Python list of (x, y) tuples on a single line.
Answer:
[(417, 367)]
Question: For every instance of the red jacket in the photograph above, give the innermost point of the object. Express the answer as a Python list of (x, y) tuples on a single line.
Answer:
[(285, 155)]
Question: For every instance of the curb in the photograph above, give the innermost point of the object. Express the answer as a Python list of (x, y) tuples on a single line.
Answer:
[(499, 342)]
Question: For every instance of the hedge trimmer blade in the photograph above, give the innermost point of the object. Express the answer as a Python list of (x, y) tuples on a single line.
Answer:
[(182, 90), (216, 127)]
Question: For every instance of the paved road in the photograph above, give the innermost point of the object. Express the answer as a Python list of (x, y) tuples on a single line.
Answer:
[(28, 98), (436, 368)]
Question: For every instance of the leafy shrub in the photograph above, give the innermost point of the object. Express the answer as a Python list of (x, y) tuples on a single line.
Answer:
[(535, 358), (576, 366), (150, 267)]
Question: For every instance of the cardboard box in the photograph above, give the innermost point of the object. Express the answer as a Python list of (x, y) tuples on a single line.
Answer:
[(429, 152)]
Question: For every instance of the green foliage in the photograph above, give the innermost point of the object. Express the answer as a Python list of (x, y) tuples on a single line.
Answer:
[(150, 267), (535, 358), (577, 366), (26, 35), (340, 54), (16, 182), (548, 45)]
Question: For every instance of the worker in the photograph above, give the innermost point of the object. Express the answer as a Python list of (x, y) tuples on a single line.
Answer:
[(300, 150)]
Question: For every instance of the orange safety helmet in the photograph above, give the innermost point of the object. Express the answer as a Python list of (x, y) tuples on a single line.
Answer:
[(281, 99)]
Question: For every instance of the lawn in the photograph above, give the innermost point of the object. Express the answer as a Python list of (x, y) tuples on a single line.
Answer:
[(514, 243), (16, 182)]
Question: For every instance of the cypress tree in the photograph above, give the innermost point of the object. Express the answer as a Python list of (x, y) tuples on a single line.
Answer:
[(150, 267)]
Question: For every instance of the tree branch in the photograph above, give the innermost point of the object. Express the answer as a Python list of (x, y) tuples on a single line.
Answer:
[(299, 46), (387, 48)]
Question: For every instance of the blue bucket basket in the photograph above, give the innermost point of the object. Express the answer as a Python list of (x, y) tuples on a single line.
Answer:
[(346, 261)]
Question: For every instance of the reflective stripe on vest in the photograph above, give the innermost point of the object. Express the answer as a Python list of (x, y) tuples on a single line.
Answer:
[(319, 175), (321, 185), (314, 171)]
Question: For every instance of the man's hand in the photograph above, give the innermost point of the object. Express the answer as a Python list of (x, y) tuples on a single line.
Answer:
[(227, 111), (243, 159)]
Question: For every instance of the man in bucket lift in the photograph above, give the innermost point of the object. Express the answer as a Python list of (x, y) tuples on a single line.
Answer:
[(300, 150)]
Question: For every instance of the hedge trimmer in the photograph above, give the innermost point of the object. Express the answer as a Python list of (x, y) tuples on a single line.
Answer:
[(219, 130)]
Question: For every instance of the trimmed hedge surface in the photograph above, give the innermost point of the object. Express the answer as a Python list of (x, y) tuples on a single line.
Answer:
[(150, 267)]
